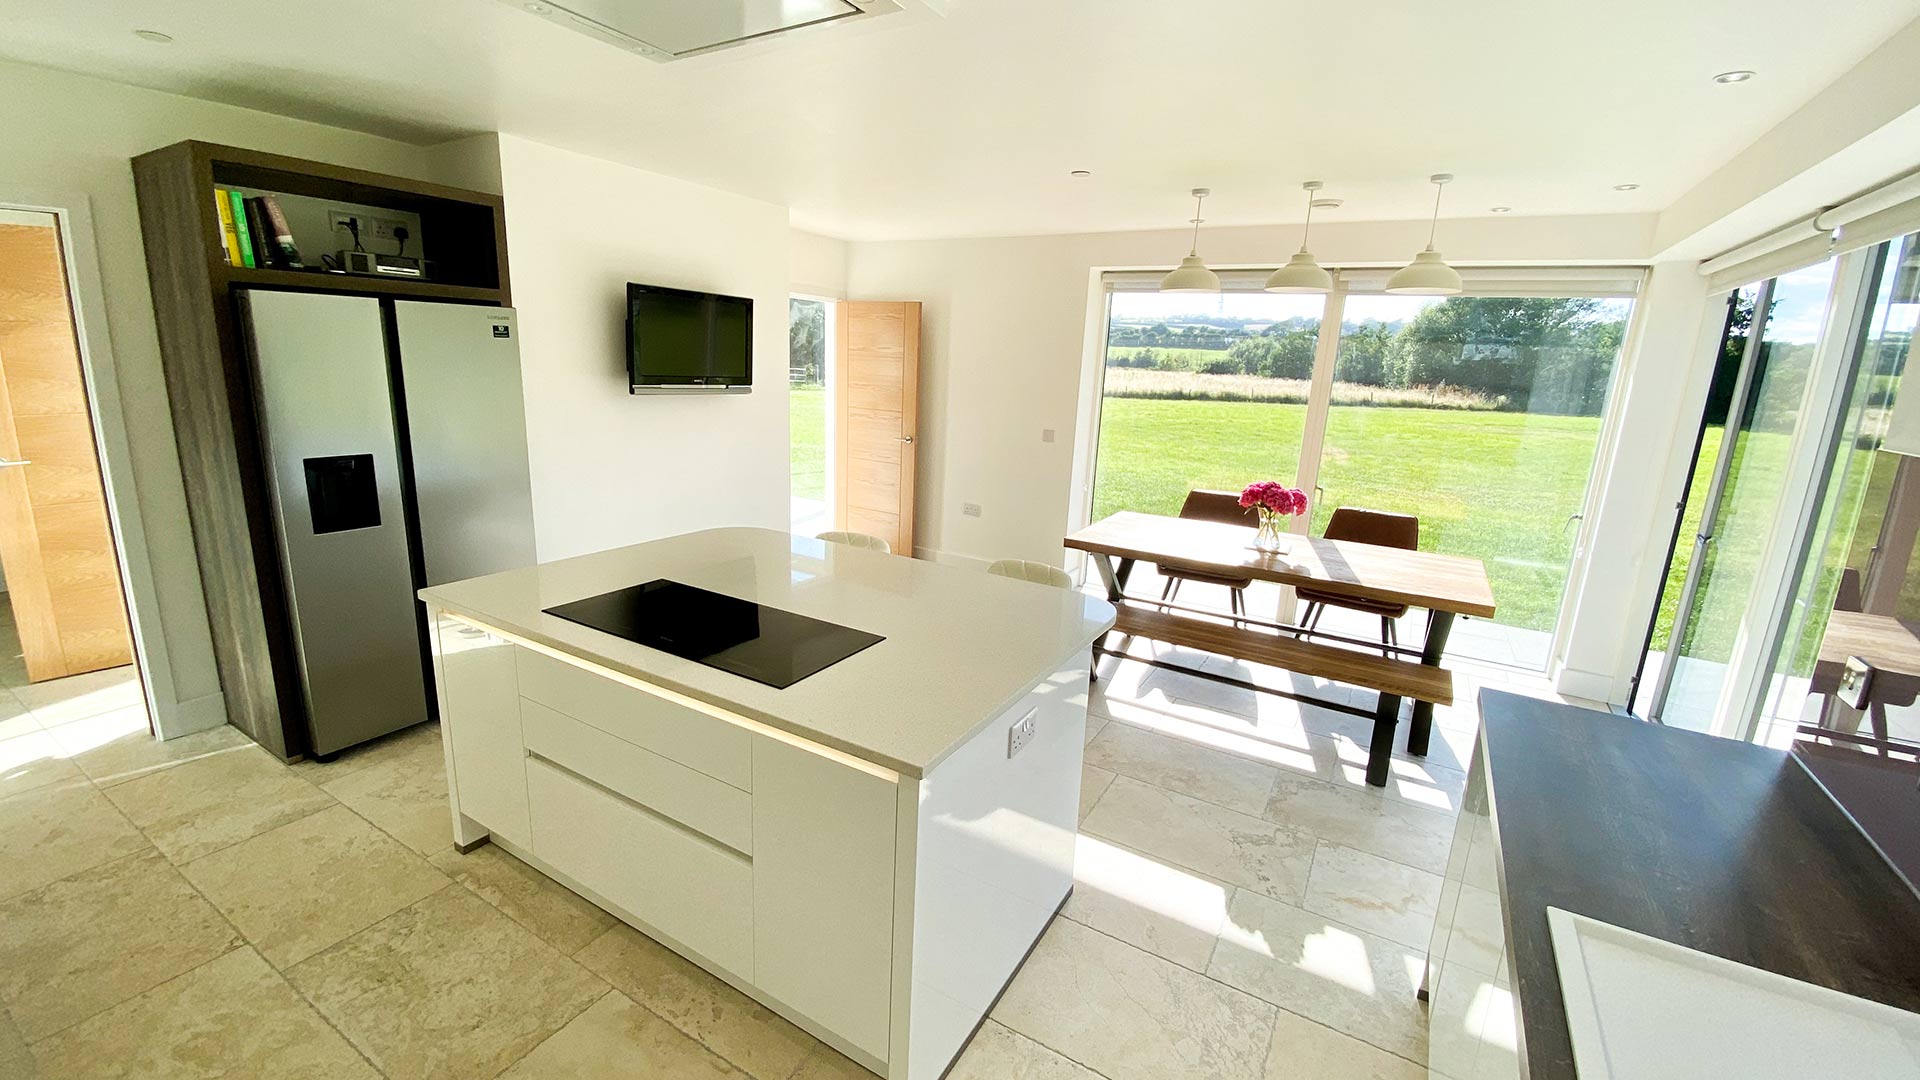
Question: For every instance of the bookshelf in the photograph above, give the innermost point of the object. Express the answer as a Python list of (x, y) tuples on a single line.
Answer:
[(461, 233)]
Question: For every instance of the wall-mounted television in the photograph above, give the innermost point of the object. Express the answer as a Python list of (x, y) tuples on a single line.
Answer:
[(679, 341)]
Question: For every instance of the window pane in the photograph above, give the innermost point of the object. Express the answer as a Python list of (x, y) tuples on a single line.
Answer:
[(1755, 486), (1201, 391), (1481, 416), (807, 417)]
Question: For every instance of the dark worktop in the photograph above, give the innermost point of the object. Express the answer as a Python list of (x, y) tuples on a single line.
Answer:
[(1721, 846)]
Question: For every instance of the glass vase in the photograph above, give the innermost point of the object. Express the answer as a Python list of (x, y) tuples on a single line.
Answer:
[(1271, 537)]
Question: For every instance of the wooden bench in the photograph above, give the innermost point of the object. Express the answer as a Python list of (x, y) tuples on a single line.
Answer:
[(1392, 678)]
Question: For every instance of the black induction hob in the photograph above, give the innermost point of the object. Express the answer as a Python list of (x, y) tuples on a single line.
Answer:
[(738, 636)]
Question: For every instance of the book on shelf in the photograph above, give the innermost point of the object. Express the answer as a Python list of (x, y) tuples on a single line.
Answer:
[(285, 253), (265, 251), (229, 236), (239, 204)]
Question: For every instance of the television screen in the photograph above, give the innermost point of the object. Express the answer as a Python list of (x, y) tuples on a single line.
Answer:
[(677, 338)]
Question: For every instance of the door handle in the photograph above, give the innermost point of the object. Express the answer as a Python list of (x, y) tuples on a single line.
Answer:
[(903, 438), (5, 464), (1571, 518)]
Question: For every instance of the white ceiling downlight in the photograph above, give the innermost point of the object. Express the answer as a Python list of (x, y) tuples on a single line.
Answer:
[(154, 36), (1727, 77), (671, 29), (1626, 187)]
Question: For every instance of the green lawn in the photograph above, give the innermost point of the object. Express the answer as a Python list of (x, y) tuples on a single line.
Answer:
[(1499, 486), (807, 413)]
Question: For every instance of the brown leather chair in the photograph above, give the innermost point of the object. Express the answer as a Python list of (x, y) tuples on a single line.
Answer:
[(1366, 527), (1223, 506)]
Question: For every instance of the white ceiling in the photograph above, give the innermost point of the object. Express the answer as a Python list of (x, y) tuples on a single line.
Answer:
[(920, 124)]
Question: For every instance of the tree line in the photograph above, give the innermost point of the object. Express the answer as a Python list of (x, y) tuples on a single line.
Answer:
[(1532, 354)]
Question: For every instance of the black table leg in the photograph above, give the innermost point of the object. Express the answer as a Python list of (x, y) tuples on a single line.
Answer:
[(1380, 753), (1420, 732)]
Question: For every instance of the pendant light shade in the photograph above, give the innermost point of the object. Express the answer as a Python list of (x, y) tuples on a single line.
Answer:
[(1302, 274), (1428, 274), (1192, 274)]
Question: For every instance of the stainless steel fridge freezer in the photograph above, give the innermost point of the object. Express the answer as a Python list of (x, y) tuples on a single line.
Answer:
[(394, 443)]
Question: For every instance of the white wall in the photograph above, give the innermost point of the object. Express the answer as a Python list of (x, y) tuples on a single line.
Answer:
[(67, 134), (610, 468), (819, 265), (1004, 334)]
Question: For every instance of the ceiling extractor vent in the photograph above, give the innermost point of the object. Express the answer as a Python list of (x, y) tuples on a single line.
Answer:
[(670, 29)]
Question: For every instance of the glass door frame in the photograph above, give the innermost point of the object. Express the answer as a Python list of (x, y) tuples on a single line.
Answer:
[(1822, 407)]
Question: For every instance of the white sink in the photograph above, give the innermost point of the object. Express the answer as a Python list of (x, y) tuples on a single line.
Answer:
[(1639, 1008)]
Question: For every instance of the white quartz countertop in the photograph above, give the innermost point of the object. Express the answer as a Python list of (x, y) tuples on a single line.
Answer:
[(961, 646)]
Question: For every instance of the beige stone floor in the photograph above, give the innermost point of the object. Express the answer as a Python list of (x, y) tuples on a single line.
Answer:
[(1245, 908)]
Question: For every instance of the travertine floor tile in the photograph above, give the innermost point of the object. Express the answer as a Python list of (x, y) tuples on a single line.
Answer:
[(1225, 845), (297, 889), (32, 760), (1304, 1050), (446, 988), (90, 941), (354, 758), (404, 793), (75, 697), (1359, 819), (14, 717), (232, 1017), (200, 806), (557, 915), (726, 1021), (1168, 911), (999, 1053), (616, 1038), (1132, 1016), (1093, 784), (116, 747), (1373, 894), (61, 829), (1347, 979), (1175, 764)]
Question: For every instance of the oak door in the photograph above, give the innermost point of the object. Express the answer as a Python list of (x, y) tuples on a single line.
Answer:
[(876, 377), (55, 541)]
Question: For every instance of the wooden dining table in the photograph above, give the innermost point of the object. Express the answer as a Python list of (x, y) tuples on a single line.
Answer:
[(1445, 585)]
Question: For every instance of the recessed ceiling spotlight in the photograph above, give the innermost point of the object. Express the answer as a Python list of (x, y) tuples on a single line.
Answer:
[(1081, 174), (1726, 77), (537, 8), (1500, 209), (1626, 187), (154, 36)]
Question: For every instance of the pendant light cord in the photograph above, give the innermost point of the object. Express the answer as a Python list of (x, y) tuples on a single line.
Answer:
[(1433, 227), (1307, 230), (1195, 248)]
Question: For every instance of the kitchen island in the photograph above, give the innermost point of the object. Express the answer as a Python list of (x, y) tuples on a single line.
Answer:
[(870, 851)]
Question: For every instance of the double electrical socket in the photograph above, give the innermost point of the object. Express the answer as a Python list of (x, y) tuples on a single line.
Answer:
[(1021, 733), (970, 509), (371, 227)]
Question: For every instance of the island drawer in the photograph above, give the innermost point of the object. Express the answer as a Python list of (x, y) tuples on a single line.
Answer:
[(693, 799), (705, 743), (682, 884)]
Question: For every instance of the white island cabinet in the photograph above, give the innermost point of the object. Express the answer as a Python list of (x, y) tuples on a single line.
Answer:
[(870, 852)]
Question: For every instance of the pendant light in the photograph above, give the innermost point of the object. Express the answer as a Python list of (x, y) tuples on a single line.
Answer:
[(1302, 274), (1428, 274), (1192, 275)]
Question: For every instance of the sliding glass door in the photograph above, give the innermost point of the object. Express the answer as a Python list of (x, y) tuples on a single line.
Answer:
[(1481, 416)]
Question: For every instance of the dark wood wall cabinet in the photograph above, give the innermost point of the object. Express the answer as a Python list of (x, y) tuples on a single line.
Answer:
[(461, 234)]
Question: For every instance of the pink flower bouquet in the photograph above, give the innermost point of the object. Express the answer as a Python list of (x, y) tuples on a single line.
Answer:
[(1274, 501)]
